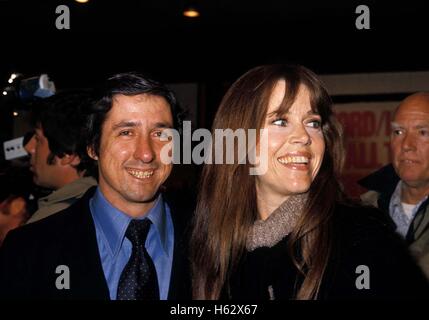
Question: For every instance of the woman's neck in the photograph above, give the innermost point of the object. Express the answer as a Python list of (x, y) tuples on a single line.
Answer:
[(268, 231), (267, 203)]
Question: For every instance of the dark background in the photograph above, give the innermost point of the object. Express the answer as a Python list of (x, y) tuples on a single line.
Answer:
[(230, 37)]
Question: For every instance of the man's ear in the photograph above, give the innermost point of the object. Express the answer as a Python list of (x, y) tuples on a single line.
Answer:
[(91, 153), (70, 159)]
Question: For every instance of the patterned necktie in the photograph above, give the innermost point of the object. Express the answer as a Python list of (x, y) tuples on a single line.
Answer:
[(138, 280)]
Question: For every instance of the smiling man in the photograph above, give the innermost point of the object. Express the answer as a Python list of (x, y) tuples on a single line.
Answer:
[(131, 170), (125, 239), (402, 189)]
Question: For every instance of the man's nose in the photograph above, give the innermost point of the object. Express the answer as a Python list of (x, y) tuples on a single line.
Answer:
[(144, 150), (300, 135), (30, 147), (408, 143)]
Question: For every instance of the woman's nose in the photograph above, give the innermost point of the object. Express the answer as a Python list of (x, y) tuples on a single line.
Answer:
[(300, 135)]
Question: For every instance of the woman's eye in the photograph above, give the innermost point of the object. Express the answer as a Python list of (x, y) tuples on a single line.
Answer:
[(280, 122), (314, 124)]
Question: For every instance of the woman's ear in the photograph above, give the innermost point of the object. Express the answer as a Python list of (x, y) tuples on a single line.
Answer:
[(91, 153)]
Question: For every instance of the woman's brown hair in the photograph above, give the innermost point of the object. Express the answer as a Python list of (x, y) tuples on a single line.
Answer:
[(227, 208)]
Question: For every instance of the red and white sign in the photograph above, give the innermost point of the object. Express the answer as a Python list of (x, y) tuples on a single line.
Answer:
[(367, 132)]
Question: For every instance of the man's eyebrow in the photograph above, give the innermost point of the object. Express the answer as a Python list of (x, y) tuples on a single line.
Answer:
[(126, 124), (163, 125), (421, 125), (132, 124), (417, 126)]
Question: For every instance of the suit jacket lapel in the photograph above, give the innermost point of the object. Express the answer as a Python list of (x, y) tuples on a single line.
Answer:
[(80, 252), (180, 283)]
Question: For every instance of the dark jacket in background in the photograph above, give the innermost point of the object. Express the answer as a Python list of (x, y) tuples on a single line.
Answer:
[(382, 184)]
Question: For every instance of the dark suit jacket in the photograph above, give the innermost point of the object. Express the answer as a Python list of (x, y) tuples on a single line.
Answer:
[(31, 254)]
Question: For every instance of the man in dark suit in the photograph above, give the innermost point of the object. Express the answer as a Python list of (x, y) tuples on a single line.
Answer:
[(124, 239)]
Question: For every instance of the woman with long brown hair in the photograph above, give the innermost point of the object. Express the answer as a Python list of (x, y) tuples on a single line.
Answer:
[(288, 233)]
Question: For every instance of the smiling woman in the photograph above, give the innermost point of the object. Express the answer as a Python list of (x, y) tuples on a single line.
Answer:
[(290, 233), (295, 149)]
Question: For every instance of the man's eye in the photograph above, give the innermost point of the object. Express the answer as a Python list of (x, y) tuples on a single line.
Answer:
[(280, 122), (314, 124), (424, 133), (162, 135), (125, 133), (397, 132)]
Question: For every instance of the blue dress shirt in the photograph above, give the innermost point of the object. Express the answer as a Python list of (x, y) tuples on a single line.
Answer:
[(115, 249)]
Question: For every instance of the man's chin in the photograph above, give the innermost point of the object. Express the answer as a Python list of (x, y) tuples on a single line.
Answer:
[(142, 198), (414, 181)]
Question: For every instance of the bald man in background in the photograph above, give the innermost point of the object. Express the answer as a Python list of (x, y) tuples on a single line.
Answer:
[(401, 189)]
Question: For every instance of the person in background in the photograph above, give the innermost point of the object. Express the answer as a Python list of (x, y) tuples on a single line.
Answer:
[(401, 189), (58, 157), (14, 204)]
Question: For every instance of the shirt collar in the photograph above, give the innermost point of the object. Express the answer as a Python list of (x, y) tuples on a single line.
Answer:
[(396, 196), (113, 223), (70, 190)]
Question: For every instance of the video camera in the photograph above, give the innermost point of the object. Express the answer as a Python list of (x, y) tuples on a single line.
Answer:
[(25, 90)]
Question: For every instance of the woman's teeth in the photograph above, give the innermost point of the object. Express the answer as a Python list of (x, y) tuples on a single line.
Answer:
[(295, 159)]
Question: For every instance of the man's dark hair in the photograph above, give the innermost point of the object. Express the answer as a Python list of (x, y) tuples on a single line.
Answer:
[(129, 84), (62, 118)]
